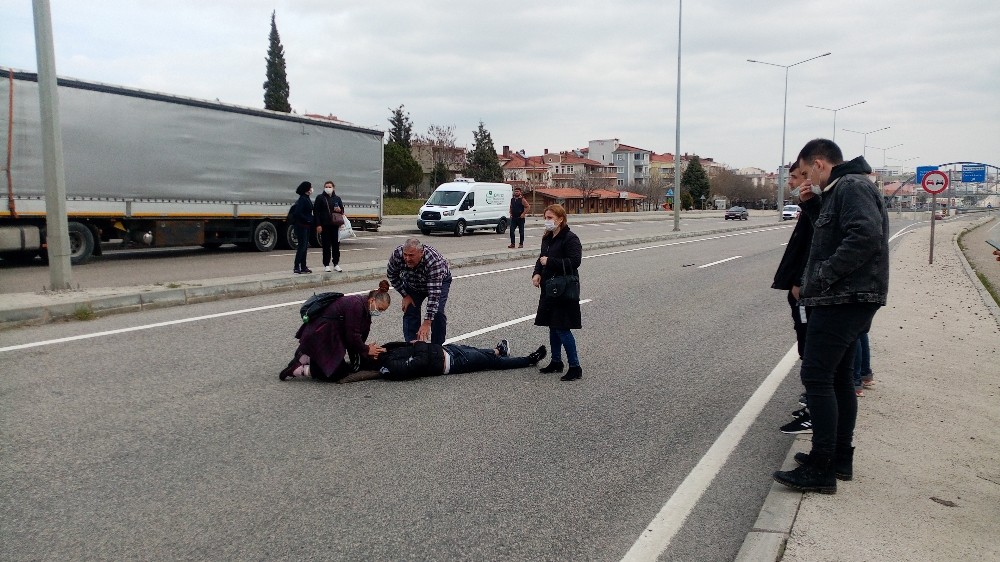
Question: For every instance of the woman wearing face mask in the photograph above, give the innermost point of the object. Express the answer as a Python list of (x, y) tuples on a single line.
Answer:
[(333, 345), (561, 255)]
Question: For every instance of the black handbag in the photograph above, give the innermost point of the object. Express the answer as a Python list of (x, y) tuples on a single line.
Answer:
[(563, 287)]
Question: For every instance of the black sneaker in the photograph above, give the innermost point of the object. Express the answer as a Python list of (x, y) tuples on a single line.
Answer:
[(503, 348), (803, 411), (801, 424), (537, 356), (803, 401)]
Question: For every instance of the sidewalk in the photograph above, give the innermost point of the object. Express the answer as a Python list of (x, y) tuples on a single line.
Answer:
[(927, 465)]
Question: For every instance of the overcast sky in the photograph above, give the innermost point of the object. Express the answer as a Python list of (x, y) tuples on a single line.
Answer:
[(555, 75)]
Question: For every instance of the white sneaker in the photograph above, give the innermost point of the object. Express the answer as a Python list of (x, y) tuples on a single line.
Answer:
[(327, 268), (337, 268)]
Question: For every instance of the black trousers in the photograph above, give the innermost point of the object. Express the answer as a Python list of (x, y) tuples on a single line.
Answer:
[(800, 317), (467, 359), (518, 224), (828, 372), (330, 238)]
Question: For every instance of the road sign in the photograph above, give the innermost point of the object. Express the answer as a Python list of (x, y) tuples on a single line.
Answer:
[(935, 181), (670, 193), (921, 170), (973, 173)]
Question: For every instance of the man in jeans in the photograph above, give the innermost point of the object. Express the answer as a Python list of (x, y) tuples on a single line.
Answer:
[(420, 272), (519, 209), (846, 280)]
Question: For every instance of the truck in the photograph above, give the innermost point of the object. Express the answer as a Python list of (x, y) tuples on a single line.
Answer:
[(150, 169)]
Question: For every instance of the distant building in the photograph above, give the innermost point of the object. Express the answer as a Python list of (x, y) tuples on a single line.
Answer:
[(429, 154)]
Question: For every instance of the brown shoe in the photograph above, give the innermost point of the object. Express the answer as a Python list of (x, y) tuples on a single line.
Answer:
[(519, 246), (511, 246)]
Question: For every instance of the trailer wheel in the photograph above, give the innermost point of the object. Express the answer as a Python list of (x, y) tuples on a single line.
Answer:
[(291, 238), (502, 226), (265, 236), (460, 228), (81, 243)]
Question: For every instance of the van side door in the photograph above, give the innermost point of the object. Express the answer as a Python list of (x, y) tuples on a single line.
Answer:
[(468, 208)]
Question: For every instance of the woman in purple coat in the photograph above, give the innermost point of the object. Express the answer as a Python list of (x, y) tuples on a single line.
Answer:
[(340, 332)]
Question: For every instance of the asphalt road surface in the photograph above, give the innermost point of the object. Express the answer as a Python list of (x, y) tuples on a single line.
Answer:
[(167, 435)]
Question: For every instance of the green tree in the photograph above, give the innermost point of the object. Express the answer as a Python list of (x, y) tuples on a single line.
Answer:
[(400, 127), (401, 169), (694, 180), (482, 163), (439, 174), (276, 86)]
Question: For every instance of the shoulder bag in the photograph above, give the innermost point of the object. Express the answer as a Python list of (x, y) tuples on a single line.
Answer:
[(563, 287)]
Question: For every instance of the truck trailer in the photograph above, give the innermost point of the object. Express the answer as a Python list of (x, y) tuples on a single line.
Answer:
[(152, 169)]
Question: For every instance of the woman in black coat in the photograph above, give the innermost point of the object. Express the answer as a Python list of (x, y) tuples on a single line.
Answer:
[(561, 255), (301, 218)]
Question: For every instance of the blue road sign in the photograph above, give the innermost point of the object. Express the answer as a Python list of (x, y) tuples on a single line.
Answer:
[(973, 173), (921, 170), (670, 193)]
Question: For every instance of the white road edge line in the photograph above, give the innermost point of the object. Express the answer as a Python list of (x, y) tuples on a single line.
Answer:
[(661, 530), (718, 262)]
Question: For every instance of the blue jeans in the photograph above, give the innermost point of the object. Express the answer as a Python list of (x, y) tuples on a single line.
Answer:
[(412, 318), (517, 223), (563, 338), (862, 360), (302, 234), (467, 359), (828, 372)]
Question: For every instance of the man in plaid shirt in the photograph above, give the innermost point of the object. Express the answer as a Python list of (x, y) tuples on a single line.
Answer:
[(420, 272)]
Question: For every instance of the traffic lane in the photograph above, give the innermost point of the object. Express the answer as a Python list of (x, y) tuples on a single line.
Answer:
[(137, 267), (552, 435)]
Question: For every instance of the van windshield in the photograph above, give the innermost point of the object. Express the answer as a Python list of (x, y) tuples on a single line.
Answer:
[(446, 198)]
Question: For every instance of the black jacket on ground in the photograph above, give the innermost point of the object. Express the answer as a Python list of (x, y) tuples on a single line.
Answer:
[(565, 253)]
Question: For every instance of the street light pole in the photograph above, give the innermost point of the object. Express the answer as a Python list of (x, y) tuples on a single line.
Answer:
[(884, 150), (865, 137), (834, 139), (779, 200), (677, 140)]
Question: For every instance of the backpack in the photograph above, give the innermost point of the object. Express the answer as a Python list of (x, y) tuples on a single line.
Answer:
[(314, 305)]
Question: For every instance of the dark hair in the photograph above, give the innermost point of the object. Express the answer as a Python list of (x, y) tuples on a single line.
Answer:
[(303, 188), (333, 185), (821, 148), (381, 295), (794, 166)]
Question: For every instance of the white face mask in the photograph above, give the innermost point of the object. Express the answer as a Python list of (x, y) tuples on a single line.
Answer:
[(817, 190), (328, 190), (550, 226)]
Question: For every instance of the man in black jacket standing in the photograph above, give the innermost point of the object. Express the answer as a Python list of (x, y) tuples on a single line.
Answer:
[(328, 203), (846, 280)]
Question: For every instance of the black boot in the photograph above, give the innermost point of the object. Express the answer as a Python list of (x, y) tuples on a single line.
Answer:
[(816, 475), (843, 463), (538, 355), (572, 374), (554, 367)]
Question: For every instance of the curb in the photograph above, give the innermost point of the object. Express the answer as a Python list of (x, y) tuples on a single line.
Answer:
[(75, 304)]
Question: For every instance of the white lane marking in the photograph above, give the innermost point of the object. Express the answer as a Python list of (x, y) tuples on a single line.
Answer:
[(901, 231), (268, 307), (783, 244), (661, 530), (497, 326), (718, 262)]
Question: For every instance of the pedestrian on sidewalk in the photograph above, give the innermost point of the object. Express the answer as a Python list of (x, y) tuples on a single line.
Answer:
[(328, 206), (301, 217), (846, 280), (788, 277), (561, 254), (519, 209), (419, 272), (863, 376)]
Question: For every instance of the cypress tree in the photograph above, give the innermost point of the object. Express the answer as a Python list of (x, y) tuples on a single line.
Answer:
[(276, 86)]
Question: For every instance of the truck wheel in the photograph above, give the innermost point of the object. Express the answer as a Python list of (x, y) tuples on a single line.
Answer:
[(460, 229), (265, 236), (81, 243), (291, 240), (502, 226), (425, 231)]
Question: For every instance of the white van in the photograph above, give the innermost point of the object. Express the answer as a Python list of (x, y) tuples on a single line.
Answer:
[(464, 205)]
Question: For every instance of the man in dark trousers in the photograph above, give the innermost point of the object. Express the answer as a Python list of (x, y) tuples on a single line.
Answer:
[(519, 209), (845, 282), (328, 231), (419, 273)]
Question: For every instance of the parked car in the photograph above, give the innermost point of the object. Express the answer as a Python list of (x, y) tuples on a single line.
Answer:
[(790, 212), (737, 213)]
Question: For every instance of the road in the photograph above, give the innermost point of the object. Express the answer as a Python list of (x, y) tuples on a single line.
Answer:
[(177, 441)]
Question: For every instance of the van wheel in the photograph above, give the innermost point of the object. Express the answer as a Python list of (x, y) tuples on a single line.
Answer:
[(460, 228), (425, 231), (502, 226)]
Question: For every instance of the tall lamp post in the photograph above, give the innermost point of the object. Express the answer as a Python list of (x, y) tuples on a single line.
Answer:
[(834, 139), (784, 121), (903, 161), (884, 150), (677, 127), (865, 137)]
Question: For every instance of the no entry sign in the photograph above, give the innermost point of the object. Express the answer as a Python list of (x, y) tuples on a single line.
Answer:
[(934, 182)]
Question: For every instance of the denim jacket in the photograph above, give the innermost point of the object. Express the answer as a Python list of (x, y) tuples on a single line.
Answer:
[(849, 255)]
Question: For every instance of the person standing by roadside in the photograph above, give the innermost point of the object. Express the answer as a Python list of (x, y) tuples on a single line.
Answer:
[(420, 272), (561, 254), (519, 209), (788, 277), (328, 203), (301, 217), (846, 280)]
